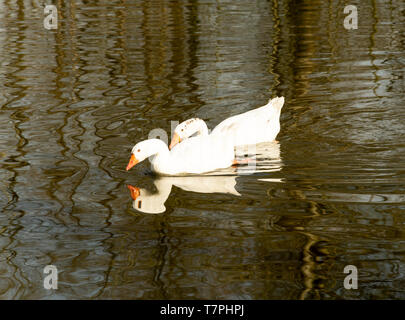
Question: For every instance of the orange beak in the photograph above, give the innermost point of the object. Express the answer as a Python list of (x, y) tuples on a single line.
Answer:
[(133, 161), (175, 140), (135, 192)]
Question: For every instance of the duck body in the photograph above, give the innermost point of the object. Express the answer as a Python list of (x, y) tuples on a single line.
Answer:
[(255, 126), (197, 155)]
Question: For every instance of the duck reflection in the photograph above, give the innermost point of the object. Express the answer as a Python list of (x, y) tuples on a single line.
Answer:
[(153, 202), (263, 157)]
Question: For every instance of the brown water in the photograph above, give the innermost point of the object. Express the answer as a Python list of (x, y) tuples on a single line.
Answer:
[(75, 100)]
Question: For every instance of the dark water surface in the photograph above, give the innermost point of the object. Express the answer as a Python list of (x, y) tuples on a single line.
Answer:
[(75, 100)]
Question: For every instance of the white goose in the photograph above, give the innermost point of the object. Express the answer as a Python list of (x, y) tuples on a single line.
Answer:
[(196, 155), (252, 127)]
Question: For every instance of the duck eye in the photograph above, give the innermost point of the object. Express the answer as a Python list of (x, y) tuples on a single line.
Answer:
[(182, 129), (139, 150)]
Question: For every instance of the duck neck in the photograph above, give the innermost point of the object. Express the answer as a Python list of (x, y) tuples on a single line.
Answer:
[(202, 128), (163, 186), (158, 149)]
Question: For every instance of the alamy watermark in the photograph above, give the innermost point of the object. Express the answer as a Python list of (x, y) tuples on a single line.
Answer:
[(350, 281), (51, 20), (350, 21), (51, 280)]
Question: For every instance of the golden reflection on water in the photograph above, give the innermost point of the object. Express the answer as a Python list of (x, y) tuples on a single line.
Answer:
[(74, 101)]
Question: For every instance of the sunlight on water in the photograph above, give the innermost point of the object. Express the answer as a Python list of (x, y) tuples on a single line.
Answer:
[(76, 99)]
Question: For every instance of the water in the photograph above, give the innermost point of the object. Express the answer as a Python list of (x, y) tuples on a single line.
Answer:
[(75, 100)]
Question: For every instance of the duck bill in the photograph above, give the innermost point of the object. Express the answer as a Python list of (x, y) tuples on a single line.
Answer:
[(133, 161), (135, 192), (175, 140)]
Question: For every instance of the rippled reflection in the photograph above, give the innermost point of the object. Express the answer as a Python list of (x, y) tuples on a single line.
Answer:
[(73, 101), (148, 202)]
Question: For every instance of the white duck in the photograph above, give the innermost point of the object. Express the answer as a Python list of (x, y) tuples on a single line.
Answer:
[(196, 155), (252, 127)]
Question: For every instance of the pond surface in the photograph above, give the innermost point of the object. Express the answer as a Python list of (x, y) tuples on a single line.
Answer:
[(76, 99)]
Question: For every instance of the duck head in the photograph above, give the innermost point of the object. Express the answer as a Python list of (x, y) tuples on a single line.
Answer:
[(187, 129)]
